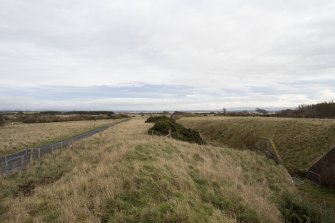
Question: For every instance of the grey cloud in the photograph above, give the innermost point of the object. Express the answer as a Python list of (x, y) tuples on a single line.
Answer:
[(227, 50)]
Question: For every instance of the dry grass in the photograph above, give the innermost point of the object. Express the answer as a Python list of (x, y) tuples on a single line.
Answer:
[(300, 142), (18, 136), (125, 175)]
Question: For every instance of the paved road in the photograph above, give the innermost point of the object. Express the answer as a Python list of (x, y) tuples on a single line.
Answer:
[(16, 161)]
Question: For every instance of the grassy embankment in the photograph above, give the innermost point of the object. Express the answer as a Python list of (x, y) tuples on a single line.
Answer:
[(300, 142), (14, 138), (125, 175)]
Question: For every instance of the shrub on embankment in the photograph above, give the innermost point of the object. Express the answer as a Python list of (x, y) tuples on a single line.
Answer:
[(155, 119), (165, 126), (300, 142)]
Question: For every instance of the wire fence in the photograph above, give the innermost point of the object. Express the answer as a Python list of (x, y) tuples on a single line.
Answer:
[(298, 180), (313, 177), (309, 177), (17, 161)]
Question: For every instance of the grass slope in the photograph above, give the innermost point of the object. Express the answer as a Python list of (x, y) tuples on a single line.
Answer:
[(125, 175), (300, 142)]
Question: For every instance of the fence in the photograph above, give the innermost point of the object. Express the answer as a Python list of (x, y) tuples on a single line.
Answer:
[(310, 176), (298, 180), (14, 162), (313, 177)]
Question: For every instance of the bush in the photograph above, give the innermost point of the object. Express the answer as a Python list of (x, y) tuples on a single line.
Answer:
[(163, 126), (155, 119)]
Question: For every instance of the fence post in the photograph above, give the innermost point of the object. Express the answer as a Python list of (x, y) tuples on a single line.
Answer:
[(31, 155), (22, 161), (6, 161), (52, 148), (39, 153)]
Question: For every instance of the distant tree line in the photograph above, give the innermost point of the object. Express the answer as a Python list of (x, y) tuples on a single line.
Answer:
[(320, 110), (58, 116), (38, 118), (77, 113)]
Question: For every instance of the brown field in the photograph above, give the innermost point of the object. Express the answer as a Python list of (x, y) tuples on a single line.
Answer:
[(125, 175), (18, 136)]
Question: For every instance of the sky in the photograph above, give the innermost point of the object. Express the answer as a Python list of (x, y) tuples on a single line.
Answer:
[(165, 55)]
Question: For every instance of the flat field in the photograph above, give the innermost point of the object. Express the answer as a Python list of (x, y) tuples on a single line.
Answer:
[(18, 136), (300, 142)]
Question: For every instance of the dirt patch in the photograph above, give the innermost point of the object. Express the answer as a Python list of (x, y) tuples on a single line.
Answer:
[(27, 189), (47, 180)]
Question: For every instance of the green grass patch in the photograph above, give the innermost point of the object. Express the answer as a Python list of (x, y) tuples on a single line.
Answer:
[(318, 193), (152, 193), (148, 194), (294, 209), (231, 204)]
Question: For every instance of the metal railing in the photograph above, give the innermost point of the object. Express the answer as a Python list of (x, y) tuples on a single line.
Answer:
[(313, 177)]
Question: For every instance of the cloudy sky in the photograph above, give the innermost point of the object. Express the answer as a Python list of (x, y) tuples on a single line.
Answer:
[(165, 55)]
